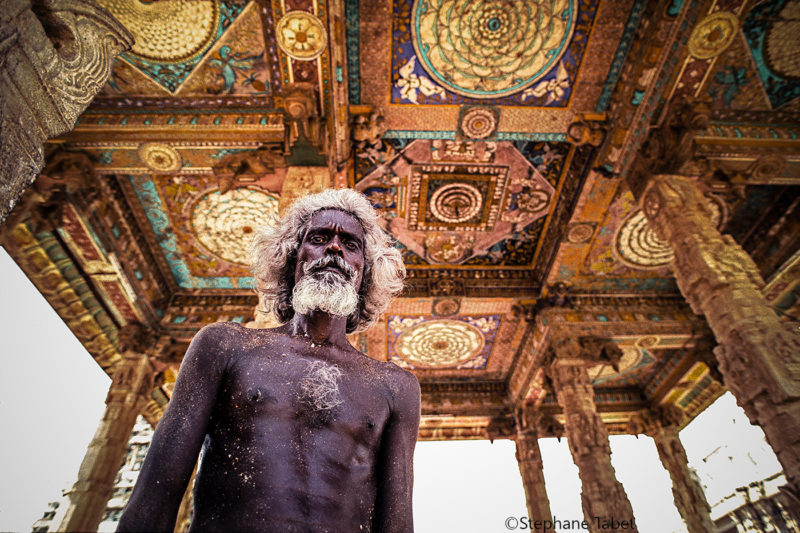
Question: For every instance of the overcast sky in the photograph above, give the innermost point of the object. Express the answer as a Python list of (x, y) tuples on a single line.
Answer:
[(52, 396)]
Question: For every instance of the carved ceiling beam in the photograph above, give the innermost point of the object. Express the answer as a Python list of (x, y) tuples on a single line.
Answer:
[(69, 196), (648, 72), (54, 61), (66, 176), (458, 398), (197, 127), (152, 289), (337, 27), (592, 316), (434, 427), (48, 279)]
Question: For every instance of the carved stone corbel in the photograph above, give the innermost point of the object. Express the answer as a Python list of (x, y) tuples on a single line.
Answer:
[(366, 129), (588, 128), (66, 174), (670, 145), (302, 117), (55, 57), (247, 167)]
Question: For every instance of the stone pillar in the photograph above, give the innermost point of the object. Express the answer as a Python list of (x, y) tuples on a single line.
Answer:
[(686, 490), (129, 392), (759, 356), (52, 63), (530, 464), (662, 425), (603, 497)]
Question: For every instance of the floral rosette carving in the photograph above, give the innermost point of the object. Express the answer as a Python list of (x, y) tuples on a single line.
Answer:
[(488, 49)]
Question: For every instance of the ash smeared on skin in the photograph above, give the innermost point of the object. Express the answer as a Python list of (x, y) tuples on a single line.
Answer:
[(319, 392)]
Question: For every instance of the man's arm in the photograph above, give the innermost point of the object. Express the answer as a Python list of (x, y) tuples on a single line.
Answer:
[(179, 435), (395, 472)]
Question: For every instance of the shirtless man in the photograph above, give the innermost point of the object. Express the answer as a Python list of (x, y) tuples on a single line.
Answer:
[(300, 432)]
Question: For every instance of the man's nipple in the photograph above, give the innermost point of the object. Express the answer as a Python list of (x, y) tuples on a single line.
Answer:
[(255, 395)]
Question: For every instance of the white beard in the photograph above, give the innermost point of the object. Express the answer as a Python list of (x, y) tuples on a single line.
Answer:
[(327, 292)]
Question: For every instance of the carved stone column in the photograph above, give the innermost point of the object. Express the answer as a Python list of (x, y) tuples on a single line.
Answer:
[(530, 464), (52, 63), (759, 356), (129, 392), (662, 425), (603, 497)]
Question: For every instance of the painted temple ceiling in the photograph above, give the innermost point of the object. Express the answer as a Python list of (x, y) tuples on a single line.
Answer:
[(497, 140)]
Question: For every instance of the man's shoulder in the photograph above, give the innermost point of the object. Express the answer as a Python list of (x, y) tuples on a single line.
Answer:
[(400, 381), (228, 335), (217, 332)]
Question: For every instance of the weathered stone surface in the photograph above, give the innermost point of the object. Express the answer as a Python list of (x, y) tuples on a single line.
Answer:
[(759, 355), (662, 425), (55, 55), (602, 495), (129, 393), (529, 458)]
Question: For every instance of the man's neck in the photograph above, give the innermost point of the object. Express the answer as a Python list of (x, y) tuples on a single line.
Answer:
[(321, 327)]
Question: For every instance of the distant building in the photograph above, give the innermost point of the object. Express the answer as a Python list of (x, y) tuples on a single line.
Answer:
[(128, 473), (752, 506), (48, 519), (759, 506)]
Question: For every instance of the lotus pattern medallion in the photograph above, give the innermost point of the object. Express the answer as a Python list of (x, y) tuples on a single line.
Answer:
[(485, 49)]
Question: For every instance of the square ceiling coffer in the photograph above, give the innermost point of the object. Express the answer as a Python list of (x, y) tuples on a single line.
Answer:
[(453, 197)]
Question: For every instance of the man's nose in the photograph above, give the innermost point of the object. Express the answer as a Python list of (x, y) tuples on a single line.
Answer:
[(334, 247)]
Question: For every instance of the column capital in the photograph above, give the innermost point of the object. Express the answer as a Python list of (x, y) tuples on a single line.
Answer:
[(567, 350), (133, 377), (670, 145), (650, 421), (533, 422)]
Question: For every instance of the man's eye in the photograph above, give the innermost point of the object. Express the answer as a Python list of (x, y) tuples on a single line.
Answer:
[(352, 245), (317, 239)]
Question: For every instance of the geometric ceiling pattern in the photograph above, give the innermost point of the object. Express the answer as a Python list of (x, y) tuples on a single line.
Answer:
[(494, 138)]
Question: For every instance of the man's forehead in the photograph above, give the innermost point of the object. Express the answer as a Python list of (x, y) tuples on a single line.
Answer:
[(332, 218)]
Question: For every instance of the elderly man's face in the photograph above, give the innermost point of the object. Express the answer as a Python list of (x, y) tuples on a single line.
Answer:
[(332, 233)]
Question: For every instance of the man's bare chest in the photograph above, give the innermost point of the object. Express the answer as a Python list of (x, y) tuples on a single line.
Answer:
[(272, 390)]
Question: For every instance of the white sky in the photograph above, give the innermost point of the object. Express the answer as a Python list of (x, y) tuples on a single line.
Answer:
[(52, 397)]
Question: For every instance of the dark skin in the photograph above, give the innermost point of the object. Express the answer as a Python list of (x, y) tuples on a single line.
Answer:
[(270, 462)]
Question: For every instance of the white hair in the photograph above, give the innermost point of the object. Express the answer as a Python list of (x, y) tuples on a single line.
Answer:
[(274, 256)]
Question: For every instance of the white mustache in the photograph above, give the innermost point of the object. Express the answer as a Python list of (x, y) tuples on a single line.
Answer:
[(328, 261)]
